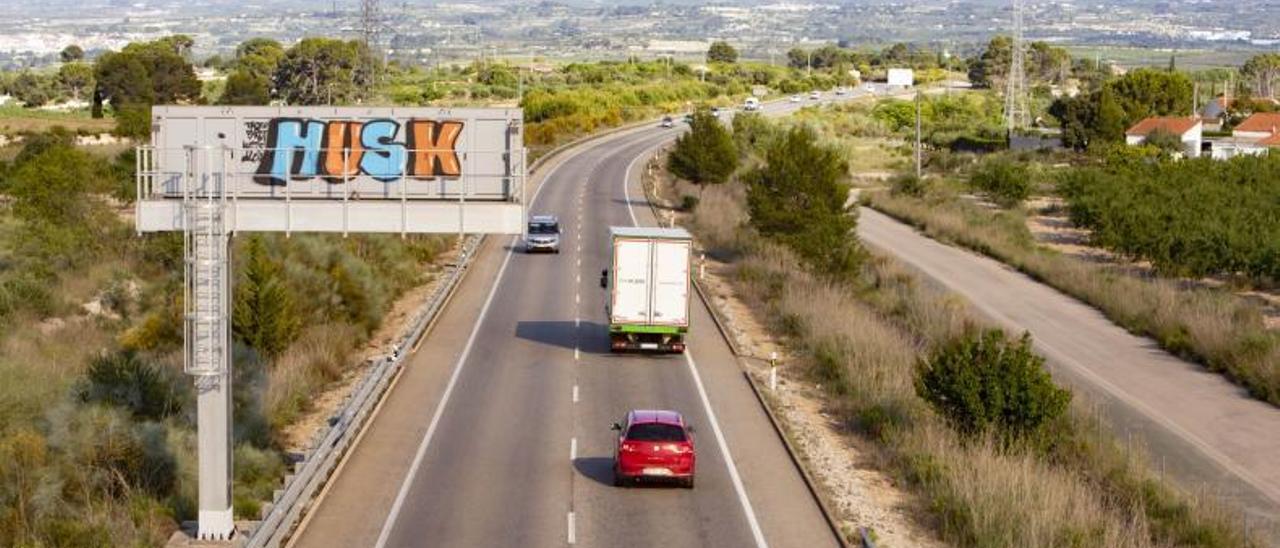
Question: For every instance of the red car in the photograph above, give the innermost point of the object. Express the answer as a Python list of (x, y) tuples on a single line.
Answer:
[(654, 445)]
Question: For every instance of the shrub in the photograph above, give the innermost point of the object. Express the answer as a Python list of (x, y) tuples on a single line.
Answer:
[(909, 184), (1006, 182), (125, 380), (688, 202), (984, 383)]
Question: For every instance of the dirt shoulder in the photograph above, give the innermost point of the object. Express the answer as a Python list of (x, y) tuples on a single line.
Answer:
[(843, 464)]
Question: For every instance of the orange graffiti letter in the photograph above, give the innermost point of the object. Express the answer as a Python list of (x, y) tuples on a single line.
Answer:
[(431, 148), (342, 138)]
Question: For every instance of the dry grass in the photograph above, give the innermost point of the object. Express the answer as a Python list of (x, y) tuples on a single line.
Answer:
[(860, 342), (319, 356), (1214, 327)]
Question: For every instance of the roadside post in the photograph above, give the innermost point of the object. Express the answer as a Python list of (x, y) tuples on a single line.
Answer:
[(773, 371)]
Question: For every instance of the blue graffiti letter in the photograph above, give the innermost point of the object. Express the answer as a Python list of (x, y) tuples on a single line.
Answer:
[(287, 137), (383, 160)]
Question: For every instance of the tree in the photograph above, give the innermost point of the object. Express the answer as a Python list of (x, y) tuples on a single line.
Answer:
[(75, 78), (990, 68), (986, 383), (246, 88), (797, 58), (259, 56), (264, 316), (798, 197), (1076, 116), (706, 154), (31, 89), (1111, 121), (144, 74), (1262, 71), (1047, 63), (1151, 92), (722, 52), (319, 71), (71, 54)]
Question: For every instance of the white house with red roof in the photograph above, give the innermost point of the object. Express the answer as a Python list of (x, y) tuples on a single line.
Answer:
[(1189, 130), (1257, 135)]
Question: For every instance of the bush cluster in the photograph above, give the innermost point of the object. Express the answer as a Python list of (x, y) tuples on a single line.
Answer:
[(1192, 218)]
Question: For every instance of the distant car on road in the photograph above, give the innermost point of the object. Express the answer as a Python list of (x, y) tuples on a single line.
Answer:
[(841, 90), (654, 445), (751, 104), (542, 234), (668, 121), (717, 111), (688, 118), (815, 95), (796, 98)]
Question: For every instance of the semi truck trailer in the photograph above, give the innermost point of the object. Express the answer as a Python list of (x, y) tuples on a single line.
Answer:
[(649, 289)]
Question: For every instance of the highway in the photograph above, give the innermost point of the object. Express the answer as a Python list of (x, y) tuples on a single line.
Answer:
[(1202, 429), (497, 433)]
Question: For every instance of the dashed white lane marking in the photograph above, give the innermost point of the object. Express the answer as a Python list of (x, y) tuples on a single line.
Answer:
[(577, 278), (575, 354), (724, 450), (573, 535), (577, 322), (575, 393), (573, 449), (394, 514)]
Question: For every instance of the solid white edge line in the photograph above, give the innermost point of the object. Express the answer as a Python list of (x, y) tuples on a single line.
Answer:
[(728, 458), (573, 534), (453, 379), (444, 399)]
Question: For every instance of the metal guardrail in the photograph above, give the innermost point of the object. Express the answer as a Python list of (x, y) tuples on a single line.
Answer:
[(331, 444)]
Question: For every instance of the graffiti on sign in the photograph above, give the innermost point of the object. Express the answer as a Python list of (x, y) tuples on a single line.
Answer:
[(294, 149)]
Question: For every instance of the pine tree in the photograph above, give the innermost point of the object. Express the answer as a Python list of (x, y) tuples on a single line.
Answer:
[(264, 316), (706, 155)]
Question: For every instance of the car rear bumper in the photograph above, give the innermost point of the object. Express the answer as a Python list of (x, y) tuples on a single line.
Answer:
[(531, 246), (673, 470)]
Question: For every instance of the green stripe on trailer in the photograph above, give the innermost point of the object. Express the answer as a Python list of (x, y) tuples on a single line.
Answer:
[(631, 328)]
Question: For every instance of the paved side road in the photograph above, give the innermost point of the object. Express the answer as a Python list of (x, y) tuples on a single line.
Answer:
[(1207, 432)]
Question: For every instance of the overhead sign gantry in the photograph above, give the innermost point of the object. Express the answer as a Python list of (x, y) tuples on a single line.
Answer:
[(210, 172)]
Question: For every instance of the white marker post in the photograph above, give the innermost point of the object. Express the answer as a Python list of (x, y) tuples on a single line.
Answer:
[(702, 266), (773, 371)]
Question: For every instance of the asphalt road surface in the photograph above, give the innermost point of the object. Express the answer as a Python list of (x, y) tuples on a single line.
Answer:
[(1203, 430), (497, 433)]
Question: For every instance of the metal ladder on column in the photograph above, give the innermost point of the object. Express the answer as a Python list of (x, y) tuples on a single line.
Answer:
[(207, 295)]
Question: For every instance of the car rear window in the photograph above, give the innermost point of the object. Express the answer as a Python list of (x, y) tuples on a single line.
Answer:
[(655, 431), (542, 228)]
